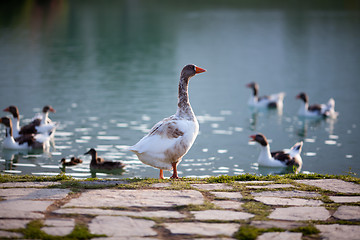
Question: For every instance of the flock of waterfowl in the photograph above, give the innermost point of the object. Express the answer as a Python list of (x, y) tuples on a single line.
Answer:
[(171, 138)]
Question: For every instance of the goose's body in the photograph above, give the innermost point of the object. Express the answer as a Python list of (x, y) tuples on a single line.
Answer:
[(170, 139), (271, 101), (316, 110), (100, 163), (28, 141), (278, 158)]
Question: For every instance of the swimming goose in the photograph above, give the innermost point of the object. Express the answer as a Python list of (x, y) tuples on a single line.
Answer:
[(100, 163), (170, 139), (15, 119), (316, 110), (271, 101), (73, 161), (28, 141), (41, 123), (278, 158)]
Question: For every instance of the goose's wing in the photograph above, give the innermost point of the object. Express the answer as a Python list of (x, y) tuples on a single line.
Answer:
[(161, 137), (281, 156)]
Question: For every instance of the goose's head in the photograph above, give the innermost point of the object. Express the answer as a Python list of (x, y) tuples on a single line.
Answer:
[(48, 108), (90, 152), (303, 96), (191, 70), (6, 121), (254, 86), (260, 138), (13, 110)]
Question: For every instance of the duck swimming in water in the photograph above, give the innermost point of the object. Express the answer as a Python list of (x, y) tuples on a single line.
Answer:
[(100, 163)]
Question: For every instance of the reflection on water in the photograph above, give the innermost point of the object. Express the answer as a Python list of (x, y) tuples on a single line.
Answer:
[(111, 71)]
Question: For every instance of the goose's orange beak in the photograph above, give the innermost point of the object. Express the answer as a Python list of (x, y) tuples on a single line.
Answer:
[(6, 110), (252, 138), (199, 70)]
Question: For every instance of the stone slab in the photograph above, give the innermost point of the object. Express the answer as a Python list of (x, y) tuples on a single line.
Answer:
[(280, 236), (300, 213), (227, 204), (57, 231), (161, 185), (63, 222), (119, 226), (126, 238), (4, 213), (26, 209), (24, 205), (339, 232), (136, 198), (334, 185), (107, 212), (223, 215), (28, 184), (277, 224), (212, 186), (254, 182), (33, 193), (345, 199), (203, 229), (288, 201), (285, 194), (348, 213), (229, 195), (271, 186), (13, 223), (12, 235)]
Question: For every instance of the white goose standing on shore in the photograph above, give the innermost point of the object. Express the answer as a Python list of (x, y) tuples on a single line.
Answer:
[(170, 139)]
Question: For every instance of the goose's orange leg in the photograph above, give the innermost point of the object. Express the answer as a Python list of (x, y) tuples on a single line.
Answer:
[(161, 174), (175, 175)]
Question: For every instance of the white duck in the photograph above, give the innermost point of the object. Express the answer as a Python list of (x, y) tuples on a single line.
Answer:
[(28, 141), (272, 101), (278, 158), (316, 110), (170, 139)]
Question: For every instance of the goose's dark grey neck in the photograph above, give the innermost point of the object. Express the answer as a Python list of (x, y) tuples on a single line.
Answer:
[(255, 91), (184, 108), (93, 158)]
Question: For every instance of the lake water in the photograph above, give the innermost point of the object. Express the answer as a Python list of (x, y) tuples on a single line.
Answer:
[(110, 69)]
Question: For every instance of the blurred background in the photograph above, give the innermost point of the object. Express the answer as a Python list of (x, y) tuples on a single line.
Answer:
[(110, 69)]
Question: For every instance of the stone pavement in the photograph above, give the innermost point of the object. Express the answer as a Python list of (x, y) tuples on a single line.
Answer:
[(201, 211)]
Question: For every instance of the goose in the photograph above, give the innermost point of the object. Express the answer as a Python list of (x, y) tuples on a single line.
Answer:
[(28, 141), (278, 158), (46, 125), (15, 119), (271, 101), (170, 139), (100, 163), (73, 161), (316, 110)]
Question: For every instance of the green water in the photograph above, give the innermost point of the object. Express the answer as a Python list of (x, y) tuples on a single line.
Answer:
[(111, 69)]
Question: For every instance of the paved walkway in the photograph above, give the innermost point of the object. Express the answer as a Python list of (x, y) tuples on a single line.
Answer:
[(202, 211)]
